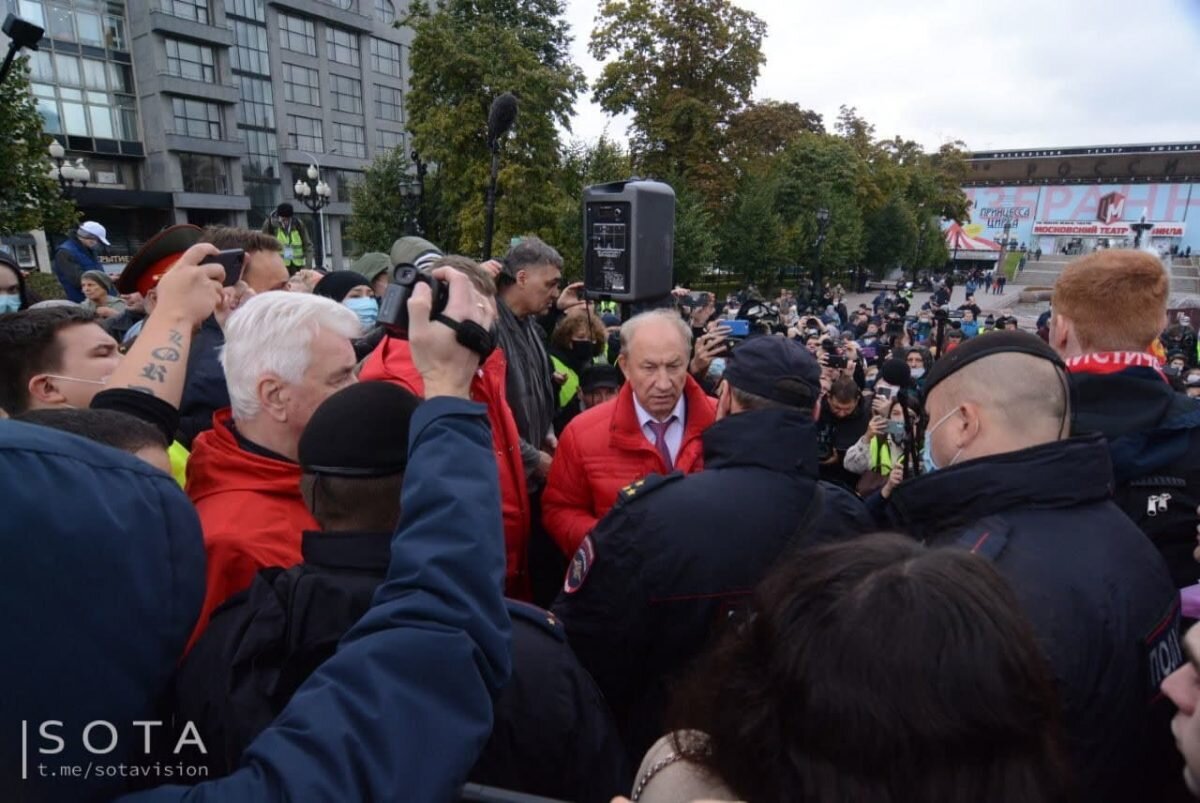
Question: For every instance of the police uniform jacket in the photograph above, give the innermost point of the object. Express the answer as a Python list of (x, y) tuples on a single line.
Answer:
[(553, 733), (1097, 592), (677, 554)]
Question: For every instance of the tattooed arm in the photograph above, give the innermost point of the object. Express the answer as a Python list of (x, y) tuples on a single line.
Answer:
[(187, 294)]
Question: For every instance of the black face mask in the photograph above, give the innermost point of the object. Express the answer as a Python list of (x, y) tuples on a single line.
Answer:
[(582, 352)]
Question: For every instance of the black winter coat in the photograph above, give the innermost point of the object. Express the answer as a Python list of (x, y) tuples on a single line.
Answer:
[(1097, 592), (677, 555), (553, 735)]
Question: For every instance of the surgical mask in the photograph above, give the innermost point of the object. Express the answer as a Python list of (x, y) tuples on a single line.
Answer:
[(9, 303), (365, 308), (582, 351), (927, 461), (917, 373), (716, 369), (103, 381), (895, 430)]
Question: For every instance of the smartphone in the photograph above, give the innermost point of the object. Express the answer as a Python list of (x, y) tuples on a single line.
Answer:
[(737, 328), (232, 260)]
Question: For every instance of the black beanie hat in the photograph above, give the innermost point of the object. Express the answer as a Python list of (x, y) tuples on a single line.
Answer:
[(338, 284), (360, 431)]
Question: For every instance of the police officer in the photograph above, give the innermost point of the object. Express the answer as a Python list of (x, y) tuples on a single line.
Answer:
[(677, 554), (553, 736), (1005, 481)]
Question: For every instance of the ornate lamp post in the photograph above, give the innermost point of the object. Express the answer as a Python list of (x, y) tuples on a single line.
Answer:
[(314, 194), (69, 176), (818, 280)]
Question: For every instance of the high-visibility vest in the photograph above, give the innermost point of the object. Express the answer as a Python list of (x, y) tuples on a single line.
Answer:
[(568, 389), (178, 455), (293, 241), (881, 459)]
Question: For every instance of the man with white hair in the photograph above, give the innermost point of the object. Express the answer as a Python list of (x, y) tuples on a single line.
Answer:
[(284, 354), (653, 426)]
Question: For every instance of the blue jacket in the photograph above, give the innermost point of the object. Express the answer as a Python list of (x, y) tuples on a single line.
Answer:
[(1098, 595), (101, 578), (204, 390), (71, 261), (404, 707)]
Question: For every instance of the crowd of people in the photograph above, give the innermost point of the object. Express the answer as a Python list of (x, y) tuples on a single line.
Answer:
[(740, 548)]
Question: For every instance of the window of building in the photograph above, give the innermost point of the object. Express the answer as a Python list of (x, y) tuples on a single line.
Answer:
[(389, 103), (304, 133), (347, 94), (257, 107), (301, 85), (250, 9), (195, 118), (188, 60), (195, 10), (249, 52), (84, 97), (385, 12), (262, 162), (385, 58), (298, 34), (88, 22), (350, 139), (202, 173), (342, 46), (386, 140)]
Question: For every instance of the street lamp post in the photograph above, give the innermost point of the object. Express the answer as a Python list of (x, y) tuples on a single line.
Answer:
[(421, 222), (69, 176), (314, 194), (410, 191), (818, 281), (920, 242)]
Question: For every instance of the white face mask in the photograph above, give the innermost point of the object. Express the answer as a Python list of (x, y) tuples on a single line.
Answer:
[(103, 381), (917, 373)]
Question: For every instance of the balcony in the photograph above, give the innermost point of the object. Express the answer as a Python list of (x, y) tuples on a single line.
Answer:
[(231, 148), (324, 11), (189, 29), (217, 93)]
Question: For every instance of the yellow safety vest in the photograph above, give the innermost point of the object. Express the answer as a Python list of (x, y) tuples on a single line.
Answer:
[(569, 388), (881, 459), (291, 242), (178, 456)]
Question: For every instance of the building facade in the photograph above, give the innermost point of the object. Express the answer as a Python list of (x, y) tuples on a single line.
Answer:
[(1075, 200), (207, 111)]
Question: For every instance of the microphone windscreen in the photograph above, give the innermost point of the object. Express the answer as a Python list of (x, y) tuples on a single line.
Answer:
[(502, 116), (897, 373)]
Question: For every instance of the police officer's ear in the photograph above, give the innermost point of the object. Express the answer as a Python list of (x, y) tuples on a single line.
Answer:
[(724, 400)]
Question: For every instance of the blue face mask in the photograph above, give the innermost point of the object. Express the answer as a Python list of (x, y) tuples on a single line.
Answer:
[(716, 369), (895, 430), (927, 462), (9, 303), (365, 308)]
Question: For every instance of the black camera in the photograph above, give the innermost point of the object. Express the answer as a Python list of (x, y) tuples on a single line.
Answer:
[(836, 361), (895, 326), (393, 310)]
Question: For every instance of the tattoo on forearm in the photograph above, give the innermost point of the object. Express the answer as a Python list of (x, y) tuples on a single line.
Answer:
[(176, 338), (155, 369), (165, 354)]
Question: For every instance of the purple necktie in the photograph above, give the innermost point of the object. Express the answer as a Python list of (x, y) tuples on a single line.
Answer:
[(660, 439)]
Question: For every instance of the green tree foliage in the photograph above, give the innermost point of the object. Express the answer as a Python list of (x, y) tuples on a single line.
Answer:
[(763, 130), (891, 236), (684, 69), (695, 236), (379, 211), (464, 54), (29, 198)]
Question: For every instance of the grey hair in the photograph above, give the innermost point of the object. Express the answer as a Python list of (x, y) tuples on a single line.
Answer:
[(629, 328), (531, 252)]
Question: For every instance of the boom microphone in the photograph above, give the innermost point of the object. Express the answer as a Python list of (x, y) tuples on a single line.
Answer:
[(501, 117)]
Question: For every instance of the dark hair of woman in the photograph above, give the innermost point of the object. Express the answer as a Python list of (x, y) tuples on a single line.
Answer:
[(877, 670)]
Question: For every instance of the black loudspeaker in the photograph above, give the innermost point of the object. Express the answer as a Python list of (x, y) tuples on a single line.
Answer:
[(628, 240)]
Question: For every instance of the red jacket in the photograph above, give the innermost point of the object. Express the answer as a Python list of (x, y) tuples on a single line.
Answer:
[(601, 451), (251, 511), (392, 361)]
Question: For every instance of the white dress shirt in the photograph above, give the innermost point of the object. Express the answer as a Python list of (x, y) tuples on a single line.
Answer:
[(674, 436)]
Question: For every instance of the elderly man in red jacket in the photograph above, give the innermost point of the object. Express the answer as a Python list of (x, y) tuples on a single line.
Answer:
[(392, 362), (652, 427), (285, 353)]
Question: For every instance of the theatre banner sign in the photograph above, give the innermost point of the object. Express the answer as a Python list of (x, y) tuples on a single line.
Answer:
[(1040, 215)]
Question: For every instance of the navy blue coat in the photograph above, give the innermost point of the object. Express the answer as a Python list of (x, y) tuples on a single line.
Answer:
[(404, 707), (204, 391), (101, 579), (1097, 592), (676, 554)]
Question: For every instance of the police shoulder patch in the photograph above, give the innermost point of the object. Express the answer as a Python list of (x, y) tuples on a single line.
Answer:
[(1163, 652), (651, 482), (581, 564)]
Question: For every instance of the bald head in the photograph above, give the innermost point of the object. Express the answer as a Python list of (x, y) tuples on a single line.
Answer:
[(997, 404)]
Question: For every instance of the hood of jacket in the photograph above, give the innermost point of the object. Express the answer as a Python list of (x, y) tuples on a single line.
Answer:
[(102, 564), (1052, 476), (778, 440), (1143, 418), (218, 465)]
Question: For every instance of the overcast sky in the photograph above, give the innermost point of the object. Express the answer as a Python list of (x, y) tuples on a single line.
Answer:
[(1012, 74)]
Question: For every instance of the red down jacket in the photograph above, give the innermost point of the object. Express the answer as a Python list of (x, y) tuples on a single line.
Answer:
[(250, 509), (392, 362), (601, 451)]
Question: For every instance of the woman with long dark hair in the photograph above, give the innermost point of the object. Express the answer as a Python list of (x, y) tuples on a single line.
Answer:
[(873, 670)]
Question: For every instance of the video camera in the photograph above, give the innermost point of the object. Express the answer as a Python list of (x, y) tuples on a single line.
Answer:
[(393, 311)]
